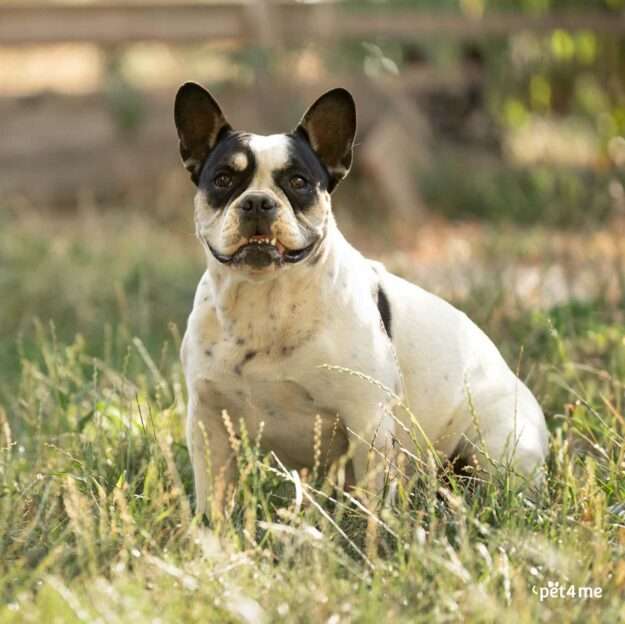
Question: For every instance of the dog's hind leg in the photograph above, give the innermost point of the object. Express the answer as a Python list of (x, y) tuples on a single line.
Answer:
[(507, 431)]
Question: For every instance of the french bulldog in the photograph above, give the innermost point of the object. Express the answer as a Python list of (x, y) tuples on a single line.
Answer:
[(310, 346)]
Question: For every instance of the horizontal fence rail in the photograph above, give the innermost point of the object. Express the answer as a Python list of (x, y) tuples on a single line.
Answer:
[(249, 21)]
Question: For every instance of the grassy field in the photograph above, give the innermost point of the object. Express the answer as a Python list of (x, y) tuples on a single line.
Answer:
[(96, 521)]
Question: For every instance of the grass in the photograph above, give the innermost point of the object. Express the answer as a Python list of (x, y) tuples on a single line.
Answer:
[(96, 522), (538, 194)]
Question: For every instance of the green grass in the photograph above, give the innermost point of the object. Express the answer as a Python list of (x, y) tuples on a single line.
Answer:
[(96, 520), (546, 195)]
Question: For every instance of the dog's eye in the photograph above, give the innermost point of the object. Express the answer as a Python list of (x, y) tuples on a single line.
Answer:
[(223, 180), (298, 183)]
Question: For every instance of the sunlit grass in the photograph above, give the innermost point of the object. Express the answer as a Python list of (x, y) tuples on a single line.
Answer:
[(96, 516)]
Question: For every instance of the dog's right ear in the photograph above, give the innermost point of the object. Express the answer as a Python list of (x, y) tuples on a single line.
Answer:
[(199, 122)]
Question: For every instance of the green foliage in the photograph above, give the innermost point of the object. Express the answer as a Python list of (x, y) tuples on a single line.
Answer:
[(541, 194)]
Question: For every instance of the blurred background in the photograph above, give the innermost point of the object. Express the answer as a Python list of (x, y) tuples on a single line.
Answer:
[(489, 167)]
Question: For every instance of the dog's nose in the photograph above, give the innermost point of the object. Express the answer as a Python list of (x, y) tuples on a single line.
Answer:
[(257, 212), (259, 205)]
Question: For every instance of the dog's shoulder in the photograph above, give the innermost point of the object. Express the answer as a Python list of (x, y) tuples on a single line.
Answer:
[(201, 323)]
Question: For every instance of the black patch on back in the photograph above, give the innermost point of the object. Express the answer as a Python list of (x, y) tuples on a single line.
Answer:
[(218, 163), (305, 163), (385, 311)]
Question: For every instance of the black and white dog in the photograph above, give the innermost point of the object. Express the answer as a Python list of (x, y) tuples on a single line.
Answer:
[(291, 326)]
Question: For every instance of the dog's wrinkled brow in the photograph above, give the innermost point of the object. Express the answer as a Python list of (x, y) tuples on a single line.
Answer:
[(271, 152)]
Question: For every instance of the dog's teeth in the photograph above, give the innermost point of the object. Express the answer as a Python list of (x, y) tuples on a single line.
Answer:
[(263, 240)]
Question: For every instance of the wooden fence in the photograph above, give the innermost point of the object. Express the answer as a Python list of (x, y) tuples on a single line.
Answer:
[(289, 21), (56, 144)]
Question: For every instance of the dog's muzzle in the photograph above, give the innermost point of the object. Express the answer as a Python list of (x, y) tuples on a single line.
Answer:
[(257, 212), (260, 252)]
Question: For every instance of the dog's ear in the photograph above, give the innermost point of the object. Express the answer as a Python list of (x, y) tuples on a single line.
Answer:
[(199, 122), (329, 125)]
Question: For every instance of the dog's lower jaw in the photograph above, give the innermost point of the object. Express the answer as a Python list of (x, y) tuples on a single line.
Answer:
[(259, 256)]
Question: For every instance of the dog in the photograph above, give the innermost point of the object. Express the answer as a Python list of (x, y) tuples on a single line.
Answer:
[(309, 345)]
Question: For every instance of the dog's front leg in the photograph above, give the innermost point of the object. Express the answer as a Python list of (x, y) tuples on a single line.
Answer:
[(214, 469)]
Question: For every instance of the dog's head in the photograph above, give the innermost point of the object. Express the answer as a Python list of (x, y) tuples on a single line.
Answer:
[(263, 202)]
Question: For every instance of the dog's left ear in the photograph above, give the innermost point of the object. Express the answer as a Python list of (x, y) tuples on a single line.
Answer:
[(200, 123), (329, 125)]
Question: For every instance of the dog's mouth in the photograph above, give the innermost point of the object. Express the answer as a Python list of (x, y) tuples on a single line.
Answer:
[(261, 251)]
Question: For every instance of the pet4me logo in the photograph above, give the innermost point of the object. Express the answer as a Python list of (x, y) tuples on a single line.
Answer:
[(554, 589)]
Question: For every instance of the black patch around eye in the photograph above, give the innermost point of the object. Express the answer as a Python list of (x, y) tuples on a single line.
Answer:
[(218, 163), (302, 162)]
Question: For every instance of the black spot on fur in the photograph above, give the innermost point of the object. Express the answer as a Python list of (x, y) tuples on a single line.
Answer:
[(385, 311), (208, 353), (240, 341), (307, 395), (249, 355)]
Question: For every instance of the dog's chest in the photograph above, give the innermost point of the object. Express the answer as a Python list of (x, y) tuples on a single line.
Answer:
[(277, 401), (259, 353), (265, 374)]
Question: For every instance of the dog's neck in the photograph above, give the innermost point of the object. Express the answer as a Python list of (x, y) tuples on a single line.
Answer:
[(262, 312)]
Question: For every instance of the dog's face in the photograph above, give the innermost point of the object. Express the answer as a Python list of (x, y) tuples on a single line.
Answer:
[(263, 202)]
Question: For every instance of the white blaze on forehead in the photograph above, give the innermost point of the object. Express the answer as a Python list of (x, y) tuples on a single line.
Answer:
[(239, 161), (271, 153)]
